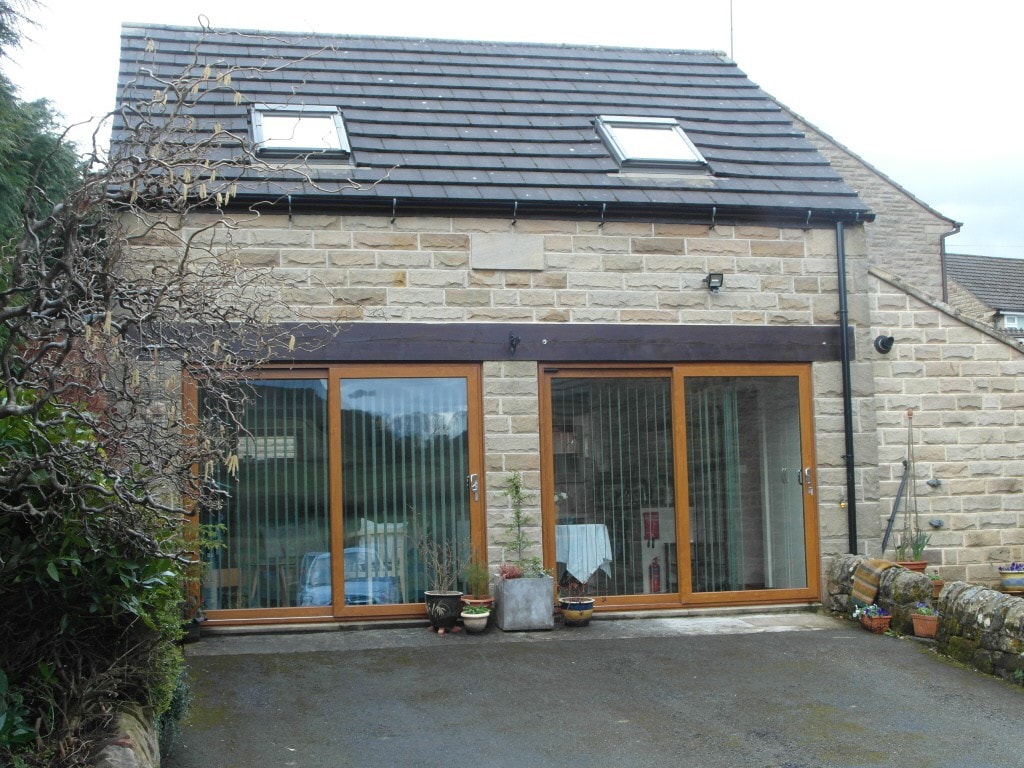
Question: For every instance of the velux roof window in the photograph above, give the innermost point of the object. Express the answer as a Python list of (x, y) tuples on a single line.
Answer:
[(648, 142), (286, 130)]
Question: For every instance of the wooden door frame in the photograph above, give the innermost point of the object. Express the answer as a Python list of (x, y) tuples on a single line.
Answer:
[(679, 372)]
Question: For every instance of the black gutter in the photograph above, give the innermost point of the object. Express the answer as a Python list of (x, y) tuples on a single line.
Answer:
[(844, 361), (362, 204)]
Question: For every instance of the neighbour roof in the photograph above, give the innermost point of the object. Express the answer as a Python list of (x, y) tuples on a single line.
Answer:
[(454, 124), (999, 283)]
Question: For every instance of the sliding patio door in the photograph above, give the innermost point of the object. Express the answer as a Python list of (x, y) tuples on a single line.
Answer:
[(747, 482), (406, 479), (681, 484), (342, 473)]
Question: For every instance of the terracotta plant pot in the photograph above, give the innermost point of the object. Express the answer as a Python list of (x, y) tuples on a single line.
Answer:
[(924, 626), (937, 585), (875, 624), (913, 565)]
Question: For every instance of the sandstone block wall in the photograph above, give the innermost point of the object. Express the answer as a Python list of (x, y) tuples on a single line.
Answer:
[(906, 236), (457, 270), (965, 385)]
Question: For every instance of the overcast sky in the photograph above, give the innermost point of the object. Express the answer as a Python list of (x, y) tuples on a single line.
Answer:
[(927, 91)]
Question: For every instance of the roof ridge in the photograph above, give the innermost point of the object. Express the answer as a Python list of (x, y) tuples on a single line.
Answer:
[(399, 38)]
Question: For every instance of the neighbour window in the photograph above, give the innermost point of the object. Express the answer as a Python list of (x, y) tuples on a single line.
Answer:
[(290, 129), (648, 142), (1013, 320)]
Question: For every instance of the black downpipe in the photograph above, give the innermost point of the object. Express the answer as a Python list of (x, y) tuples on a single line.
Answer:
[(844, 358)]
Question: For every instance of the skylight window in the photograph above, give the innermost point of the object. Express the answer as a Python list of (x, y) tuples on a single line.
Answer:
[(648, 142), (289, 129)]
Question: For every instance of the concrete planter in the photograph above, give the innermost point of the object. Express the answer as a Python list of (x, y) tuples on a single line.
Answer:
[(524, 604)]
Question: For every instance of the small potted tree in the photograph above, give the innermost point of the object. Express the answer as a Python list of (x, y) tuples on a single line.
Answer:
[(477, 579), (524, 593)]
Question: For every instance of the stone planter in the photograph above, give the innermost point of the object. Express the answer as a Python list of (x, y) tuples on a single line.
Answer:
[(524, 604)]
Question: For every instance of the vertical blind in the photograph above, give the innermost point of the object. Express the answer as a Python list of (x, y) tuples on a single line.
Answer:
[(274, 513), (613, 463), (404, 466)]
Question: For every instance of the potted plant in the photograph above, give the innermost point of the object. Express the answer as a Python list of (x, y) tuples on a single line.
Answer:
[(873, 618), (474, 617), (477, 579), (577, 607), (937, 583), (1011, 577), (926, 620), (524, 593), (442, 566), (910, 551)]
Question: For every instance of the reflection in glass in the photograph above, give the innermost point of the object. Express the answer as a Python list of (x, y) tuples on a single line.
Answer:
[(404, 464)]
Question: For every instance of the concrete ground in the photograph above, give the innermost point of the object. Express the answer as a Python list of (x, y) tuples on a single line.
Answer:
[(785, 690)]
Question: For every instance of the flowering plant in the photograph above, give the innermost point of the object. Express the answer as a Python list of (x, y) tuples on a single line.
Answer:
[(871, 611), (1013, 567), (923, 609)]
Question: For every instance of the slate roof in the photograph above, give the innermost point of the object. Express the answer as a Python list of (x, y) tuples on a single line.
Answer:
[(999, 283), (510, 127)]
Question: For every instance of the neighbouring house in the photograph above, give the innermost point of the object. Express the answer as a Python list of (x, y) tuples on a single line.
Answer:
[(988, 289), (630, 276)]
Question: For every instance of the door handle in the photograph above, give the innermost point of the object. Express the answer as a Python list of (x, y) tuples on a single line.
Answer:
[(473, 483), (807, 481)]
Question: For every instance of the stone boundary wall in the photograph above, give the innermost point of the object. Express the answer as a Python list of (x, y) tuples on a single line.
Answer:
[(134, 746), (978, 626)]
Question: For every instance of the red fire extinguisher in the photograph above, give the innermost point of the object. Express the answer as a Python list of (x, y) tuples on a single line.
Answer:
[(654, 575)]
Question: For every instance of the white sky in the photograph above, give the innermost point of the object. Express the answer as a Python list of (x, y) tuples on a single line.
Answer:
[(925, 90)]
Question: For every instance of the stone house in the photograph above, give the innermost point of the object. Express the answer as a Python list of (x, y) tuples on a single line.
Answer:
[(630, 276), (988, 289)]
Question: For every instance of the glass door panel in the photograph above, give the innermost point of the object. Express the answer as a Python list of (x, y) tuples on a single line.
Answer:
[(274, 514), (745, 478), (404, 464), (613, 480)]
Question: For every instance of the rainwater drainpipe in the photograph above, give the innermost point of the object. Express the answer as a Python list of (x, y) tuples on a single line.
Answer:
[(844, 359), (942, 258)]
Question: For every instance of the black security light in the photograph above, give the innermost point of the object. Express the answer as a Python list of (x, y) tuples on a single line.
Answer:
[(715, 280)]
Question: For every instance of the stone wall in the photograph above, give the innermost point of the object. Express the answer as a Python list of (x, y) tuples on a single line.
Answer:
[(964, 383), (906, 236), (977, 626), (464, 270)]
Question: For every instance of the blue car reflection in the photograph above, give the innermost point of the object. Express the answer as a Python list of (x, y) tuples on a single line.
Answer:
[(363, 584)]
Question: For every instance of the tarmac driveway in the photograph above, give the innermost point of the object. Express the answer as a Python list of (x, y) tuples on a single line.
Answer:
[(786, 690)]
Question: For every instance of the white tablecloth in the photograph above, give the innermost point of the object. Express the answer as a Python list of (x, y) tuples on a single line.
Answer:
[(583, 549)]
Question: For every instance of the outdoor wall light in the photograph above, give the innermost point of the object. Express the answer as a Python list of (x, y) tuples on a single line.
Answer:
[(884, 344), (715, 280)]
